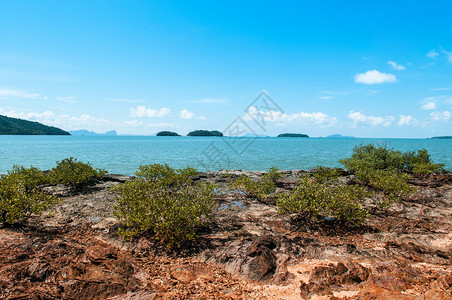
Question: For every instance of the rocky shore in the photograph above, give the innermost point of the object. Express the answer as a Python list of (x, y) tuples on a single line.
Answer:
[(249, 251)]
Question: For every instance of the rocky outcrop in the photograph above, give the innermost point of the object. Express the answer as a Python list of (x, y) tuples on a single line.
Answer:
[(248, 252)]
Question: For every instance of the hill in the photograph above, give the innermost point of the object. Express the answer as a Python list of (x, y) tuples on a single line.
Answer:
[(339, 136), (205, 133), (446, 137), (167, 133), (299, 135), (84, 132), (13, 126)]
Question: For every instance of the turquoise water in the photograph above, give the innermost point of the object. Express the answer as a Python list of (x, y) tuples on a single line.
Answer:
[(123, 154)]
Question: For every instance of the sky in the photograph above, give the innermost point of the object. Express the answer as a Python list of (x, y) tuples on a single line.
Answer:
[(357, 68)]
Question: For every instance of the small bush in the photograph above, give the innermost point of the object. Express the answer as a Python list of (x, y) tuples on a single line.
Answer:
[(259, 189), (325, 174), (20, 195), (388, 171), (164, 202), (320, 199), (391, 183), (421, 163), (74, 173), (369, 157), (166, 174)]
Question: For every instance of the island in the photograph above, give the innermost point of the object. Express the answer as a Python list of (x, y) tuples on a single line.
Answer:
[(14, 126), (446, 137), (84, 132), (205, 133), (297, 135), (167, 133), (339, 136)]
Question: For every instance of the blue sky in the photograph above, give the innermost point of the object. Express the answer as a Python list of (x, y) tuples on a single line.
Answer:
[(361, 68)]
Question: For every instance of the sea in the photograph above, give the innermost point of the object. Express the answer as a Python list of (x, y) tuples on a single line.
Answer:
[(124, 154)]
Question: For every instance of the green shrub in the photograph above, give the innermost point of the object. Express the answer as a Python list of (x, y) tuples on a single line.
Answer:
[(20, 195), (369, 157), (391, 183), (259, 189), (388, 171), (325, 174), (166, 174), (320, 199), (164, 202), (421, 163), (74, 173)]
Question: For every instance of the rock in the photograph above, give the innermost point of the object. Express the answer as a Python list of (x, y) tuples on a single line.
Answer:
[(262, 266), (331, 277), (183, 275)]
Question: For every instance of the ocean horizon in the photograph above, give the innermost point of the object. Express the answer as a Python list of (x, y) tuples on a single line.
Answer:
[(124, 154)]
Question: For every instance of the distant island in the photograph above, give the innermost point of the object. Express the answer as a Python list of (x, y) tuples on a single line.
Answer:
[(13, 126), (167, 133), (84, 132), (205, 133), (339, 136), (297, 135), (446, 137)]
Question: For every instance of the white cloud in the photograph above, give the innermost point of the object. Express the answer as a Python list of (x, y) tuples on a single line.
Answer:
[(141, 112), (326, 97), (185, 114), (396, 66), (441, 99), (432, 54), (64, 120), (408, 121), (359, 117), (429, 105), (283, 118), (5, 92), (441, 89), (134, 123), (448, 55), (374, 77), (440, 116)]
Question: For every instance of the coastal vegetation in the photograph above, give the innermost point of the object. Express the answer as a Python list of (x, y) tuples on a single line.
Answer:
[(388, 171), (379, 173), (165, 203), (371, 157), (205, 133), (167, 133), (74, 173), (14, 126), (172, 205), (22, 193), (298, 135), (259, 189), (319, 198)]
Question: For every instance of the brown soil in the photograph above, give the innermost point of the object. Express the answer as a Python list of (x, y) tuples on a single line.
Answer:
[(249, 252)]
